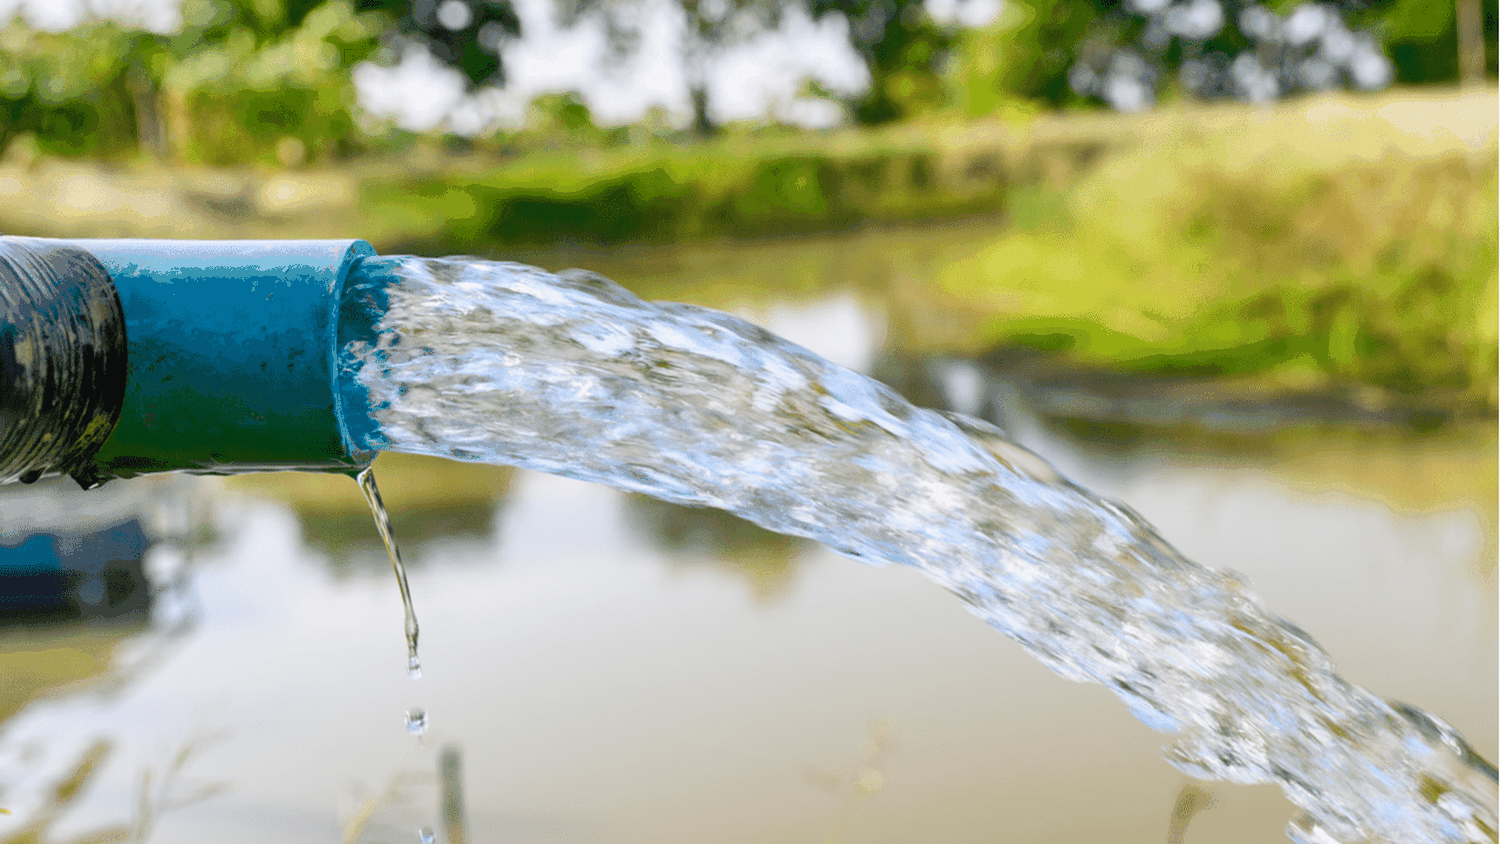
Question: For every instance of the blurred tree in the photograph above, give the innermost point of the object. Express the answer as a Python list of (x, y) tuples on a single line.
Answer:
[(709, 27), (1471, 53), (1128, 53), (1028, 51), (263, 78), (1438, 41), (70, 92), (561, 120), (902, 47), (464, 34), (236, 81)]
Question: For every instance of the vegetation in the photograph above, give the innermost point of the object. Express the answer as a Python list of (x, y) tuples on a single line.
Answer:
[(269, 81), (731, 188), (1170, 262)]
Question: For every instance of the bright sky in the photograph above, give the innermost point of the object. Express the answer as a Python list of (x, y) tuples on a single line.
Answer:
[(752, 79)]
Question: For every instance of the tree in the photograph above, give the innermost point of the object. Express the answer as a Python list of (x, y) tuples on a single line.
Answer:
[(1439, 42), (237, 80), (709, 26), (1128, 53), (464, 34), (900, 44), (903, 49)]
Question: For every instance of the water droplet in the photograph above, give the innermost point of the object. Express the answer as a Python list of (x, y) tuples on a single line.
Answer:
[(416, 721), (426, 835), (413, 667)]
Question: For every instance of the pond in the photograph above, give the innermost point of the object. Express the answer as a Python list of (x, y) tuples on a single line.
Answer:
[(604, 668)]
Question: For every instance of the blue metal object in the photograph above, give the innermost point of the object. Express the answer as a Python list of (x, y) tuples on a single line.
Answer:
[(58, 576), (232, 355), (32, 575)]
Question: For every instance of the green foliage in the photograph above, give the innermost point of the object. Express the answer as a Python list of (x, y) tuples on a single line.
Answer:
[(1422, 39), (1380, 273), (904, 51), (473, 49), (1417, 20), (663, 193), (562, 116), (69, 90), (236, 100), (239, 79), (1027, 53), (787, 194)]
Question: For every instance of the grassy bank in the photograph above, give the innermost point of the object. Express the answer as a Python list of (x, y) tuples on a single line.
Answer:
[(1303, 255), (743, 186)]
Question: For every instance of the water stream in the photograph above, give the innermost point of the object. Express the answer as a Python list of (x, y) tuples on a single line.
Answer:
[(366, 479), (572, 375)]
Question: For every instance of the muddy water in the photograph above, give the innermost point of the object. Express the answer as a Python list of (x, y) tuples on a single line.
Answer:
[(613, 670)]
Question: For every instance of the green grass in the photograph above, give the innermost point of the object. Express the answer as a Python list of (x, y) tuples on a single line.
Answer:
[(1223, 254), (709, 191)]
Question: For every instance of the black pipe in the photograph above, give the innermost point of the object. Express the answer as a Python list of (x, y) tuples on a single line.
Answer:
[(63, 360)]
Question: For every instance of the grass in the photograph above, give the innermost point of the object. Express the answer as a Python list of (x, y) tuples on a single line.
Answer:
[(671, 194), (1263, 251)]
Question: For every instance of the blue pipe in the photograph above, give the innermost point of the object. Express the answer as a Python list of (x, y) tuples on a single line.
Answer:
[(227, 361)]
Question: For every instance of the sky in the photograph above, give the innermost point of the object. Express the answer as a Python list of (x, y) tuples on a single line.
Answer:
[(757, 78)]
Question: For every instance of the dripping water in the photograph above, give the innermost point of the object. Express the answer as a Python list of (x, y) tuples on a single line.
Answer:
[(367, 485), (416, 724)]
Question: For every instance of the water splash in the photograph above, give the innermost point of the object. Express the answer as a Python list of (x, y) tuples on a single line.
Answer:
[(426, 836), (573, 375), (367, 485)]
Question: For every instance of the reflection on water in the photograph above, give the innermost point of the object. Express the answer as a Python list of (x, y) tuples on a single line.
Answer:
[(63, 560), (50, 578), (427, 500), (604, 685), (601, 696), (764, 559)]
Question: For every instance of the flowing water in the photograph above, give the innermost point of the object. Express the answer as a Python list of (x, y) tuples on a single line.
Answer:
[(572, 375)]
